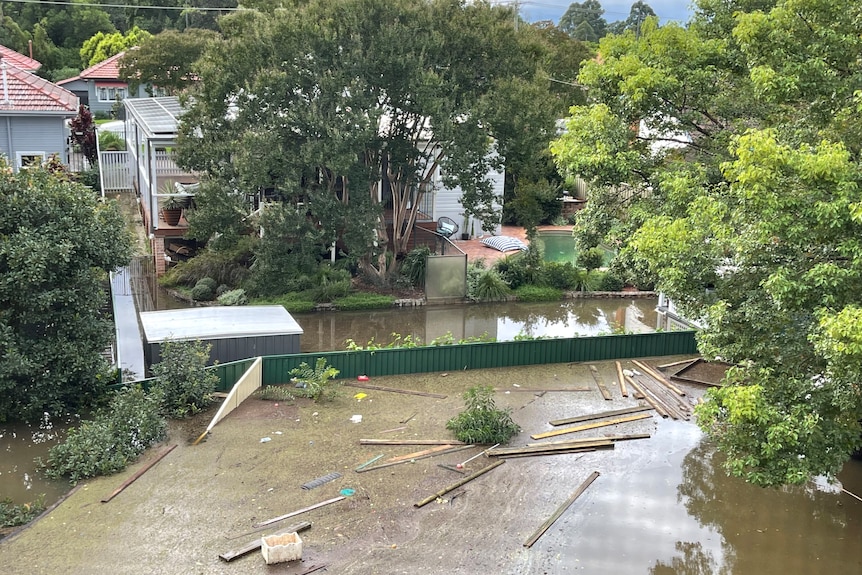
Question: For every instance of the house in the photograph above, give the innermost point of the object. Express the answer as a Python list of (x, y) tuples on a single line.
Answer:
[(33, 115), (18, 60), (100, 88)]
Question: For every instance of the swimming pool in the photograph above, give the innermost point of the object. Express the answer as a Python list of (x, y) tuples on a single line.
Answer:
[(560, 246)]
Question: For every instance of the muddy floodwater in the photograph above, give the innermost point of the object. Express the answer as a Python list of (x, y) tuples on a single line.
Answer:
[(660, 505)]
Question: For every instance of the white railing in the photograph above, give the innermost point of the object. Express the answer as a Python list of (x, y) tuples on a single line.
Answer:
[(165, 164), (114, 167)]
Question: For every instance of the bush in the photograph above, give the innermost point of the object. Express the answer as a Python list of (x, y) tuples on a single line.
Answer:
[(317, 383), (359, 301), (586, 280), (562, 276), (111, 440), (91, 178), (183, 385), (591, 259), (481, 421), (292, 302), (330, 283), (12, 515), (538, 293), (209, 282), (518, 270), (275, 393), (233, 297), (202, 292), (229, 266), (414, 265), (609, 282), (489, 287), (111, 142)]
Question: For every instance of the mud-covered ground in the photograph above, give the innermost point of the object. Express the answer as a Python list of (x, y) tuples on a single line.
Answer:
[(201, 501)]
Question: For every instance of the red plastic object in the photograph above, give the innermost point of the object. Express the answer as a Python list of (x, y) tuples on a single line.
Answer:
[(362, 378)]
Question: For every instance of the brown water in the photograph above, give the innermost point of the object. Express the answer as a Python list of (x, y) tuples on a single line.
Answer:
[(21, 479)]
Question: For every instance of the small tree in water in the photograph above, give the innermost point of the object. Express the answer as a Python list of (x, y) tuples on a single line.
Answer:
[(481, 421), (184, 386)]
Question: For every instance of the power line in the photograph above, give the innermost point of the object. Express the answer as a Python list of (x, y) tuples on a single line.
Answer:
[(100, 5)]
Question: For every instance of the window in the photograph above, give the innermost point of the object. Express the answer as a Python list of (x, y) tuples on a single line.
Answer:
[(110, 94), (30, 159)]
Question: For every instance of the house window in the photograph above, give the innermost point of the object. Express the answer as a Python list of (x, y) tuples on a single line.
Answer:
[(110, 94), (30, 159)]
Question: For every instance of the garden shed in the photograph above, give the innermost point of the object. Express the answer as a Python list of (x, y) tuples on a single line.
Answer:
[(235, 332)]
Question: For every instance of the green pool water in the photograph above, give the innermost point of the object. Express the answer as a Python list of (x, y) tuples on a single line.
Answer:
[(561, 247)]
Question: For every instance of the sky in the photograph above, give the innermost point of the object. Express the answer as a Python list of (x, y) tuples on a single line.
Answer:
[(666, 10)]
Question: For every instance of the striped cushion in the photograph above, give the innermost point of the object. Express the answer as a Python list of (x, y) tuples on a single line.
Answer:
[(504, 243)]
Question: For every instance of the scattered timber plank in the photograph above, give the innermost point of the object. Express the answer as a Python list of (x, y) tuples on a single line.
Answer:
[(622, 380), (560, 452), (550, 521), (410, 442), (591, 426), (393, 390), (683, 379), (600, 415), (416, 454), (676, 363), (313, 568), (298, 512), (138, 473), (255, 544), (594, 371), (851, 494), (391, 463), (548, 447), (576, 442), (676, 406), (659, 409), (369, 462), (415, 413), (659, 377), (542, 390), (394, 429), (458, 484)]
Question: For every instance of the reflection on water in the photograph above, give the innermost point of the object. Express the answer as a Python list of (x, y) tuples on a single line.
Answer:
[(667, 507), (502, 321)]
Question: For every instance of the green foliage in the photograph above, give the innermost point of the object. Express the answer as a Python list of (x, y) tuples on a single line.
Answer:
[(489, 287), (233, 297), (183, 385), (276, 393), (591, 259), (57, 244), (562, 276), (228, 266), (102, 46), (330, 283), (12, 515), (167, 60), (317, 383), (528, 293), (518, 270), (111, 141), (359, 301), (111, 440), (609, 282), (414, 265), (481, 421), (292, 302), (203, 292)]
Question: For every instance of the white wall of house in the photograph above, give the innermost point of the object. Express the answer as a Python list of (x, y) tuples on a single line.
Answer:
[(26, 137), (447, 202)]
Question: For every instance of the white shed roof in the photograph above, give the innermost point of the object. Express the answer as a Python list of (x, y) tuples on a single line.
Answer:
[(218, 322)]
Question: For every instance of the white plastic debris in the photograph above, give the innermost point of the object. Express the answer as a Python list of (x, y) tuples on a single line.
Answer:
[(356, 419), (628, 372), (265, 439)]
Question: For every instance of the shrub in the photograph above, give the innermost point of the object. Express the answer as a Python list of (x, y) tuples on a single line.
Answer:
[(359, 301), (330, 284), (275, 393), (111, 141), (111, 440), (519, 269), (490, 287), (414, 265), (317, 383), (183, 385), (222, 289), (229, 266), (538, 293), (91, 178), (591, 259), (233, 297), (202, 292), (481, 421), (586, 280), (209, 282), (562, 276), (12, 515), (609, 282)]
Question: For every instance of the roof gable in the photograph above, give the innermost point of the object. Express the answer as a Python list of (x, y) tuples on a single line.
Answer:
[(105, 70), (18, 60), (22, 91)]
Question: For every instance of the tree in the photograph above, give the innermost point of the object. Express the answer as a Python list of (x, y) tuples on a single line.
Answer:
[(102, 46), (584, 21), (744, 184), (165, 60), (57, 242), (83, 134), (638, 14), (331, 110)]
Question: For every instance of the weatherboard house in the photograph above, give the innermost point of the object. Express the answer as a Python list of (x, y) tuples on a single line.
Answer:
[(33, 114), (100, 88)]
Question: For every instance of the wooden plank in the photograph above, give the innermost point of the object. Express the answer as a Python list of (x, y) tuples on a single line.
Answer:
[(680, 362), (402, 428), (697, 381), (622, 380), (391, 463), (558, 452), (255, 544), (659, 377), (416, 454), (655, 405), (550, 521), (600, 415), (410, 442), (542, 390), (548, 447), (299, 511), (458, 484), (393, 390), (666, 396), (576, 442), (138, 473), (594, 371), (590, 426)]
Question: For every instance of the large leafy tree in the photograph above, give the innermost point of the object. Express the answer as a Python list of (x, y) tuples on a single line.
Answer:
[(166, 60), (584, 20), (739, 196), (57, 242), (102, 46), (349, 106)]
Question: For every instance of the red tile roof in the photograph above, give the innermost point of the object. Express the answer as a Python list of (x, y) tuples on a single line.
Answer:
[(20, 61), (22, 91), (105, 70)]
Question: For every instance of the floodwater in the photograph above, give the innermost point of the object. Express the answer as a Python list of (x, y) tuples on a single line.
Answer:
[(681, 514), (21, 444)]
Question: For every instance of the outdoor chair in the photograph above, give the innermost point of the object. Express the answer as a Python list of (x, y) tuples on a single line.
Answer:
[(446, 227)]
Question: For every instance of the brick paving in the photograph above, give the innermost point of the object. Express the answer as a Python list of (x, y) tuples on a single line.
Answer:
[(475, 249)]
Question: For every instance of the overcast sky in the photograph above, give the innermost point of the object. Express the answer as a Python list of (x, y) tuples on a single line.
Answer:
[(667, 10)]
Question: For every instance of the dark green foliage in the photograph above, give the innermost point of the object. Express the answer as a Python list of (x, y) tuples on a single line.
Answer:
[(489, 287), (228, 266), (481, 421), (292, 302), (586, 281), (562, 276), (317, 383), (90, 178), (358, 301), (14, 515), (609, 282), (591, 259), (276, 393), (57, 243), (414, 264), (183, 385), (519, 269), (111, 440), (330, 283), (233, 297), (538, 293), (208, 282), (111, 141), (202, 292)]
